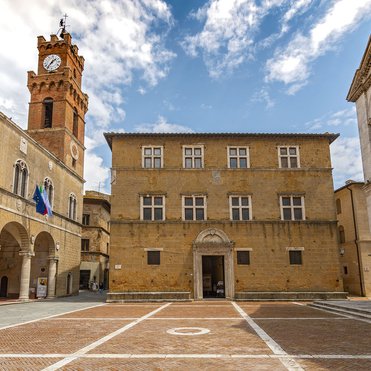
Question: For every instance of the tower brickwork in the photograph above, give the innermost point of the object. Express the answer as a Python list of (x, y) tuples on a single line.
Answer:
[(58, 105)]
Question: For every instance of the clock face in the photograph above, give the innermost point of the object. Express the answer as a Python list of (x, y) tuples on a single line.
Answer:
[(52, 62), (74, 151)]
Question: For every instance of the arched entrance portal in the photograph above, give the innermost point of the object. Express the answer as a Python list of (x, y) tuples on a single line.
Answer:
[(213, 252), (15, 259)]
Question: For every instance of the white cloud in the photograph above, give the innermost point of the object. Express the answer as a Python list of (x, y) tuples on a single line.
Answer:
[(96, 174), (228, 37), (346, 160), (170, 106), (263, 96), (295, 8), (291, 64), (330, 120), (162, 126), (141, 91)]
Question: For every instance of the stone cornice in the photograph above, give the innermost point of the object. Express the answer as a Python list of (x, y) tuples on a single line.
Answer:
[(362, 78)]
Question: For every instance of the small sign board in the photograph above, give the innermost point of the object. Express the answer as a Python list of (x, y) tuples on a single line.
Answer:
[(117, 266), (42, 286)]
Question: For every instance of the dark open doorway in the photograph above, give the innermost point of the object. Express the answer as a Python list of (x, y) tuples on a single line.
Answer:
[(4, 287), (84, 279), (213, 276)]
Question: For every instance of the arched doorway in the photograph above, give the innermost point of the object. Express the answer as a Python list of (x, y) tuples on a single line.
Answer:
[(4, 287), (14, 258), (44, 247), (213, 251)]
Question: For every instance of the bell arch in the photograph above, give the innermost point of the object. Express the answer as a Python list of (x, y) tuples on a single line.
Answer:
[(213, 241)]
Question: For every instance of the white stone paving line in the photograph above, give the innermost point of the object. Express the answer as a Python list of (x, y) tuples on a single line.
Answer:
[(49, 317), (289, 363), (101, 341), (195, 318), (94, 319), (164, 356), (299, 318)]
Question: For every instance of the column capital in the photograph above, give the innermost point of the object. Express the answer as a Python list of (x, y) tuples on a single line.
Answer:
[(53, 258), (28, 254)]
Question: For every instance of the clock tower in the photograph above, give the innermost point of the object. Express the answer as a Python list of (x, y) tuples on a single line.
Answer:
[(58, 106)]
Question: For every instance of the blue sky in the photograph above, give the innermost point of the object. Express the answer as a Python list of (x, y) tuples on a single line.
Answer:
[(202, 66)]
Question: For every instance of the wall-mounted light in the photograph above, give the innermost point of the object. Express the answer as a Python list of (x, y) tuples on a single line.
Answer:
[(32, 239), (342, 251), (57, 246)]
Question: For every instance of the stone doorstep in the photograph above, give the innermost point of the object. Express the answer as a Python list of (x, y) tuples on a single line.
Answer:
[(159, 296), (147, 296), (342, 309)]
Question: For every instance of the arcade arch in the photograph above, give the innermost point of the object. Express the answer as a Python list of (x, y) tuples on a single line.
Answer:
[(15, 259), (44, 262)]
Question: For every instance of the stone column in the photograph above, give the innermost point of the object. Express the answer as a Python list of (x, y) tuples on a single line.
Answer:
[(51, 276), (25, 275)]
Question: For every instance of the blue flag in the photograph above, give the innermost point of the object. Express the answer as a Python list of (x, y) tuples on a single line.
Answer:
[(40, 204)]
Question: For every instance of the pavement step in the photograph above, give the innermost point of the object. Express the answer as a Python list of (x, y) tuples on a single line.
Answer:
[(345, 307), (341, 310)]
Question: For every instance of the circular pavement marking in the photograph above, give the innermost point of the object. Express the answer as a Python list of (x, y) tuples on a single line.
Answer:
[(188, 331)]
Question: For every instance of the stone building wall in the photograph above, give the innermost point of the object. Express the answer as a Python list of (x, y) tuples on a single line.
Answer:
[(96, 260), (355, 256), (266, 236)]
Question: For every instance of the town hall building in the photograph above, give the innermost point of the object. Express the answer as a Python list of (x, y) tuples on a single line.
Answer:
[(40, 254)]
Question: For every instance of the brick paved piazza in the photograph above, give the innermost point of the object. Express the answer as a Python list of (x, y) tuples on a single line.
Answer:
[(209, 335)]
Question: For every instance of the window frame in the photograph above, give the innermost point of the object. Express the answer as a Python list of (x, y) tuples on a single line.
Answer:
[(194, 207), (85, 242), (152, 207), (21, 175), (240, 207), (84, 217), (293, 258), (246, 251), (48, 104), (193, 156), (72, 206), (152, 156), (156, 252), (75, 122), (341, 232), (292, 207), (288, 156), (238, 157), (49, 187)]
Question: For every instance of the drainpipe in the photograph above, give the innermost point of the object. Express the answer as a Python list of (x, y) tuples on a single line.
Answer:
[(356, 242)]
